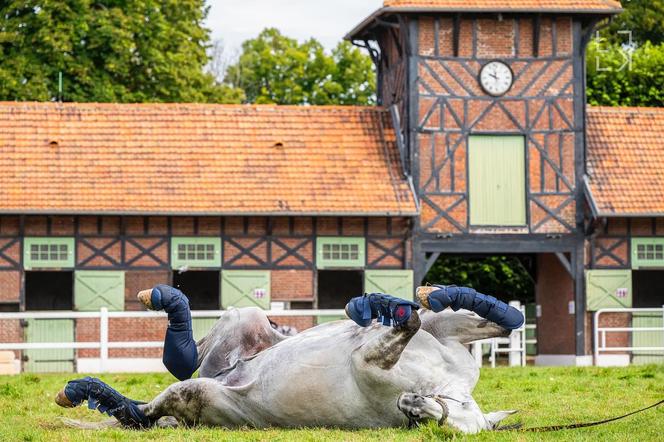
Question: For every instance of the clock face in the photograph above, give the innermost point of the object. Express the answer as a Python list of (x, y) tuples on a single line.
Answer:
[(496, 78)]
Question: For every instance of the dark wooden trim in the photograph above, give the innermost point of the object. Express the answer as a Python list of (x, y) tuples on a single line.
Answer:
[(456, 32), (537, 23)]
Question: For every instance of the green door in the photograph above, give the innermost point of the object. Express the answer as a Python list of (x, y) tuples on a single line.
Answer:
[(608, 289), (94, 289), (202, 326), (397, 283), (49, 361), (245, 288), (647, 338), (497, 180)]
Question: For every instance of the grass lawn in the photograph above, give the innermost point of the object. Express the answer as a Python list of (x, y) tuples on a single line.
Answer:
[(545, 396)]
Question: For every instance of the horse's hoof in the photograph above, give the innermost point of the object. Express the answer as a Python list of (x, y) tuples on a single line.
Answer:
[(145, 296), (62, 400), (422, 293)]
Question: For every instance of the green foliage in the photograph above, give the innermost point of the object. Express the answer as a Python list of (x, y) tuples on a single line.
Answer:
[(500, 276), (276, 69), (107, 51), (644, 18), (613, 81)]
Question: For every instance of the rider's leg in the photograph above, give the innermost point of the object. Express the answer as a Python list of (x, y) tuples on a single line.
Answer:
[(180, 353)]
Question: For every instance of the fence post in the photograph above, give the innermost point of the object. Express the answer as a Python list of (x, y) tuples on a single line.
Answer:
[(477, 353), (515, 341), (103, 339)]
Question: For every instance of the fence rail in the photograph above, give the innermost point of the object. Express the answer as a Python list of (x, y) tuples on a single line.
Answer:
[(516, 343), (600, 333)]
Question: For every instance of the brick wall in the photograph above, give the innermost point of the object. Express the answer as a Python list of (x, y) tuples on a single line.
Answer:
[(290, 285), (10, 286), (10, 331)]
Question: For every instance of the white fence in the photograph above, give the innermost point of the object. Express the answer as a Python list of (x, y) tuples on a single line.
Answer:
[(514, 346), (600, 345)]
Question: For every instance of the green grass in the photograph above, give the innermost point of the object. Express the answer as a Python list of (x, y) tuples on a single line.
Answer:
[(545, 396)]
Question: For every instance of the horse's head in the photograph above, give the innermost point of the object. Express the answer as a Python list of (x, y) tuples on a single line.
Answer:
[(466, 416)]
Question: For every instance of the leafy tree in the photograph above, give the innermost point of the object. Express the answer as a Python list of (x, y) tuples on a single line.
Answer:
[(273, 68), (643, 18), (107, 50), (500, 276), (620, 76)]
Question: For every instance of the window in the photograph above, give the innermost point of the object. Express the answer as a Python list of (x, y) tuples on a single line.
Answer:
[(497, 180), (340, 252), (48, 252), (195, 252), (647, 252)]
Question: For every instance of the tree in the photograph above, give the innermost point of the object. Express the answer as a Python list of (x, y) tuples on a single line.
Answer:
[(620, 76), (503, 277), (643, 18), (107, 50), (273, 68)]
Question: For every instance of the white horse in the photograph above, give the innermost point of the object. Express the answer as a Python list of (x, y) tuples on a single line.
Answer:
[(337, 374)]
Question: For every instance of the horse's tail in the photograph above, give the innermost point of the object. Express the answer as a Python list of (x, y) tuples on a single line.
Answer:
[(164, 422)]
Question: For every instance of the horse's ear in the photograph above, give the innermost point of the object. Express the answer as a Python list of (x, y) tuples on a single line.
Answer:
[(495, 417)]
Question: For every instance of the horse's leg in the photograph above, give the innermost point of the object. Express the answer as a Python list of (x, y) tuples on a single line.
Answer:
[(438, 298), (238, 333), (384, 350), (462, 326), (180, 352), (194, 401)]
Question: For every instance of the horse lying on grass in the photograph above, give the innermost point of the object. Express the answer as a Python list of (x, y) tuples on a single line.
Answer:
[(343, 374)]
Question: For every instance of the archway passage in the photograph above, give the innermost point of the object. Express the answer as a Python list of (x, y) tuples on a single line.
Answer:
[(507, 277), (201, 287)]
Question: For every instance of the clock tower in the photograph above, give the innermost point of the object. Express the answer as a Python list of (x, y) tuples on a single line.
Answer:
[(488, 102)]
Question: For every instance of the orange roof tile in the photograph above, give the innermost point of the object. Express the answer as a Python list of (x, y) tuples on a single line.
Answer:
[(625, 160), (509, 5), (199, 159)]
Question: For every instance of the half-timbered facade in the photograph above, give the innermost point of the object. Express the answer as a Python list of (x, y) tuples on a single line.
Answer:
[(309, 206)]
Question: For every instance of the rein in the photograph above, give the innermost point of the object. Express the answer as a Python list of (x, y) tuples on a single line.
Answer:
[(577, 425)]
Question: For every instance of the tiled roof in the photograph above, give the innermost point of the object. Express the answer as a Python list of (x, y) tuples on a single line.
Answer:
[(199, 159), (600, 7), (508, 5), (626, 160)]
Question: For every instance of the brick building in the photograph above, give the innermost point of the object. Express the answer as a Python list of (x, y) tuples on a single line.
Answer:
[(482, 144)]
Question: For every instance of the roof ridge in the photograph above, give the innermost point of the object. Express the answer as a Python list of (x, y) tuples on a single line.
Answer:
[(616, 109), (318, 107)]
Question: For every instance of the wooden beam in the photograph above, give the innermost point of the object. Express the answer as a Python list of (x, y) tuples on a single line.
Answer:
[(565, 263), (537, 23), (456, 33)]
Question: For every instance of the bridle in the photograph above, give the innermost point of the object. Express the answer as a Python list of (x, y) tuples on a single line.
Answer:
[(439, 398)]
